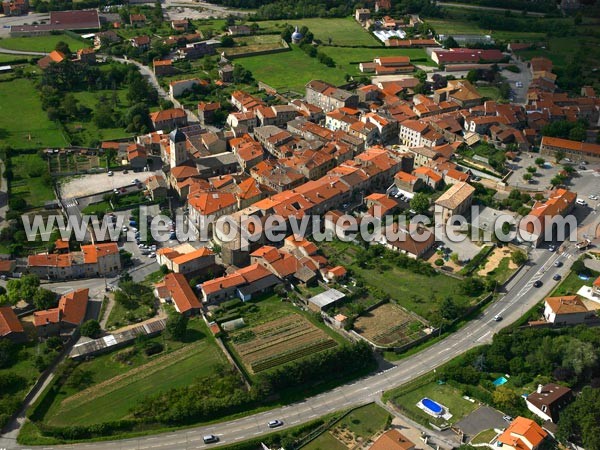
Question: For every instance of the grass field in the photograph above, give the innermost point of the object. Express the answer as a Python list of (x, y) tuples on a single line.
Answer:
[(42, 43), (444, 394), (290, 70), (7, 59), (484, 437), (117, 386), (325, 442), (29, 182), (30, 128), (343, 31), (418, 293)]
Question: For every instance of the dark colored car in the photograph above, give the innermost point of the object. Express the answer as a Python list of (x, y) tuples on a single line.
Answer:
[(537, 284)]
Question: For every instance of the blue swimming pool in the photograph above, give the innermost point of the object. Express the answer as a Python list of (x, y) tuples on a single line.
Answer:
[(500, 381), (432, 406)]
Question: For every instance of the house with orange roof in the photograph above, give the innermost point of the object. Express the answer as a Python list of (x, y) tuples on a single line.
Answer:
[(244, 102), (429, 176), (285, 265), (137, 20), (392, 440), (543, 214), (101, 259), (186, 260), (379, 205), (522, 434), (408, 182), (206, 112), (10, 326), (567, 310), (163, 67), (249, 153), (575, 150), (137, 156), (276, 176), (169, 119), (7, 266), (243, 283), (54, 57), (413, 243), (68, 315), (176, 289), (206, 205)]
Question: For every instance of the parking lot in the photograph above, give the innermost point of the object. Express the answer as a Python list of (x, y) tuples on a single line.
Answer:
[(85, 185), (483, 418)]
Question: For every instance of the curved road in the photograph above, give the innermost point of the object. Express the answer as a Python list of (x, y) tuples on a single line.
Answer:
[(519, 299)]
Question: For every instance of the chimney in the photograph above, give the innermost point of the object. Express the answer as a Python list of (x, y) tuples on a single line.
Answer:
[(540, 389)]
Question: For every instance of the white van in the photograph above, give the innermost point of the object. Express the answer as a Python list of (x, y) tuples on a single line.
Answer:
[(581, 202)]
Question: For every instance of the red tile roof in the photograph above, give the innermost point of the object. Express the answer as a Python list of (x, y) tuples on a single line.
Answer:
[(73, 305), (9, 322), (181, 292)]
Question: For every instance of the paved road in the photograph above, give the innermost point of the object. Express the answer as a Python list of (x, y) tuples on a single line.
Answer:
[(488, 8), (519, 299)]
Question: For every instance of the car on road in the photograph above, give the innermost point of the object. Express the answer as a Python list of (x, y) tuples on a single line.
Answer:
[(275, 423), (210, 439), (558, 263), (593, 197), (110, 173), (556, 277), (581, 202), (519, 84), (552, 248), (537, 284), (497, 317), (507, 419)]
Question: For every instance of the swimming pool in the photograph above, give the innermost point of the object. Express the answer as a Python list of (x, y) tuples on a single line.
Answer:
[(500, 381), (433, 407)]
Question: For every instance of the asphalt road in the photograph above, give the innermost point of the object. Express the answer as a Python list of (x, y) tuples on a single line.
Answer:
[(521, 297)]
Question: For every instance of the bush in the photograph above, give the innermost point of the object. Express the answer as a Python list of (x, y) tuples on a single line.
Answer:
[(91, 329), (152, 348), (439, 262)]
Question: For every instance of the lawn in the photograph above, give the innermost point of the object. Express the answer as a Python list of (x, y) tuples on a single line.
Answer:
[(30, 128), (348, 59), (572, 283), (343, 31), (484, 437), (450, 397), (42, 43), (326, 441), (256, 43), (87, 132), (29, 181), (418, 293), (491, 92), (7, 59), (118, 386), (290, 70)]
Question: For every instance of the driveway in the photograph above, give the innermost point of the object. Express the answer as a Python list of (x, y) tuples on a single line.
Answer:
[(483, 418)]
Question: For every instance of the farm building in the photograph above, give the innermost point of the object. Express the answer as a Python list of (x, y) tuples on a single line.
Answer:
[(325, 299)]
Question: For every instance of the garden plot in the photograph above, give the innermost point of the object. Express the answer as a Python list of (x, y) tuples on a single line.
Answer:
[(389, 325), (279, 341)]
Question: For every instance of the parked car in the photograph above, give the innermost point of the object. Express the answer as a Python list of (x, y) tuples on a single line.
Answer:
[(210, 439), (558, 263), (110, 173), (556, 277), (507, 419), (581, 202)]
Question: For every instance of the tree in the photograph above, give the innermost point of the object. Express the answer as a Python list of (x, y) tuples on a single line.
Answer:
[(472, 76), (420, 203), (570, 170), (532, 169), (227, 41), (450, 42), (90, 329), (8, 353), (518, 257), (557, 180), (471, 286), (559, 155), (580, 421), (63, 47), (527, 177), (176, 327), (44, 299), (540, 161)]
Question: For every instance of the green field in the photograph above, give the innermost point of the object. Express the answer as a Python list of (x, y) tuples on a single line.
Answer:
[(29, 181), (30, 127), (116, 386), (344, 31), (572, 283), (42, 43), (348, 59), (326, 441), (87, 132), (416, 292), (450, 397), (7, 59), (256, 43), (290, 70)]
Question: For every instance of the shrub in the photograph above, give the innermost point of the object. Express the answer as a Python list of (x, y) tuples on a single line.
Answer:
[(439, 262)]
